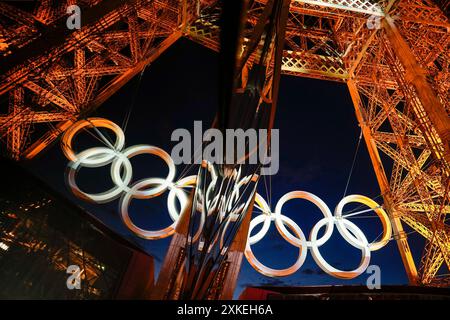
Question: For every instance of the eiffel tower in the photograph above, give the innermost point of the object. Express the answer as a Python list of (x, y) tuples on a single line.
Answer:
[(393, 55)]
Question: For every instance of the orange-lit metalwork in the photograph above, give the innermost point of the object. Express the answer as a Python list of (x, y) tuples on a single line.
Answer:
[(393, 56)]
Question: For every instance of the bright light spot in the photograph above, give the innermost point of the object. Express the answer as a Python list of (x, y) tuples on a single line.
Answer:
[(4, 246)]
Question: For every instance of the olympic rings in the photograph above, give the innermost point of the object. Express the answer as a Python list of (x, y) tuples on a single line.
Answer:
[(122, 172), (125, 203), (307, 196), (122, 161), (349, 231)]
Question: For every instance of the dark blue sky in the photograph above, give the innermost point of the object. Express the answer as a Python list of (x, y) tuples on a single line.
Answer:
[(318, 136)]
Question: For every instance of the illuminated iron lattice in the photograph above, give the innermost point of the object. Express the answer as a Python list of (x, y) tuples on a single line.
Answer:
[(397, 76)]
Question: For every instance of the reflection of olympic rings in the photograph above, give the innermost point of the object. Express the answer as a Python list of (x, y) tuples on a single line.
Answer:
[(121, 174), (349, 231)]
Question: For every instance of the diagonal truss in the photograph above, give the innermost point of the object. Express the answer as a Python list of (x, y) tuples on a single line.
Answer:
[(55, 82)]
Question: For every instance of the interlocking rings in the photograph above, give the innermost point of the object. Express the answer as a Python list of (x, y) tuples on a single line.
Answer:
[(121, 174), (307, 196), (349, 231)]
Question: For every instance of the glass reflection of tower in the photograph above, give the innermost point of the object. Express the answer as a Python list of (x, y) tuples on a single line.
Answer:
[(41, 234)]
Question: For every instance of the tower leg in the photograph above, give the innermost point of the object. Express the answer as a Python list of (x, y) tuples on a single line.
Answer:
[(415, 75), (383, 182)]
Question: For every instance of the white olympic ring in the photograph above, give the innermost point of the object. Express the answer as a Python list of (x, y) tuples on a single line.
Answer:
[(148, 234), (325, 266), (349, 231), (387, 230), (307, 196), (121, 173), (269, 271), (72, 131), (122, 161)]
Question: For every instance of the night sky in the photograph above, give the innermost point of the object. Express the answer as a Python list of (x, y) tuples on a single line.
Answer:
[(318, 137)]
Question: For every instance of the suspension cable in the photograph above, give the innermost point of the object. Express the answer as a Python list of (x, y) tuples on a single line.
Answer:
[(353, 163)]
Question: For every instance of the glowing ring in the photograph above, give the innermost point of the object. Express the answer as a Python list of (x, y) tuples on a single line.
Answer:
[(93, 153), (255, 263), (66, 141), (348, 230), (387, 228), (268, 218), (325, 266), (312, 198), (143, 233), (121, 161)]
